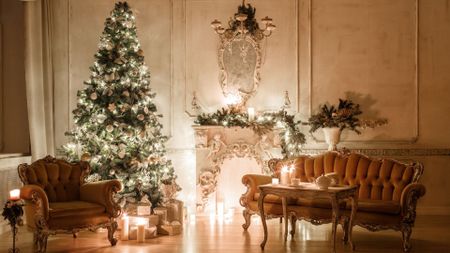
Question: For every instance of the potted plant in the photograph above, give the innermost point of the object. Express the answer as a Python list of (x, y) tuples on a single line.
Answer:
[(333, 119)]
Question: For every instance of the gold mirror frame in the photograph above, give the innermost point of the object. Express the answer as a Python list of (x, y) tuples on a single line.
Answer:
[(230, 74), (240, 82)]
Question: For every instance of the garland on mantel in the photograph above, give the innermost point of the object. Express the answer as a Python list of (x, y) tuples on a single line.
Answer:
[(291, 137)]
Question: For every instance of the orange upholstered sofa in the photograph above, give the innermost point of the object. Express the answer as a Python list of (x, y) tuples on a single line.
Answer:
[(59, 200), (387, 195)]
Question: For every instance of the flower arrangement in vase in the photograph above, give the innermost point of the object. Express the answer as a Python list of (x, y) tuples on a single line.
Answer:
[(333, 119)]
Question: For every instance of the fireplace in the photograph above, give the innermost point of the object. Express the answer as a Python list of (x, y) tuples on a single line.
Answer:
[(223, 156)]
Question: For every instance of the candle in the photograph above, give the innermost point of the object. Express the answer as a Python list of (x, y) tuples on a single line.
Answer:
[(251, 113), (125, 227), (285, 176), (141, 230), (275, 180), (220, 209), (14, 194), (141, 233), (192, 219)]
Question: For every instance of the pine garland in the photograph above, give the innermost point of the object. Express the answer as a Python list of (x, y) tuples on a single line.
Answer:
[(291, 136)]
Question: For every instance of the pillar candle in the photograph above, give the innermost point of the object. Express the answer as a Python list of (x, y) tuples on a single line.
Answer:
[(275, 180), (285, 177), (14, 194), (140, 233), (251, 113), (125, 228), (220, 209)]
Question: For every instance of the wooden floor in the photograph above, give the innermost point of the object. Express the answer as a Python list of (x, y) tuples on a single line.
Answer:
[(431, 234)]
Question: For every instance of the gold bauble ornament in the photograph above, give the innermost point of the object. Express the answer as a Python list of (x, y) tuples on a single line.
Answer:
[(85, 157)]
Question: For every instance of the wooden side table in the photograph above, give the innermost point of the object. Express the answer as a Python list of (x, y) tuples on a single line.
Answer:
[(308, 190)]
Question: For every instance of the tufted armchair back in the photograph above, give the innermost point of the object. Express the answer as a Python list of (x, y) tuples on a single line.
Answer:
[(60, 180), (377, 179)]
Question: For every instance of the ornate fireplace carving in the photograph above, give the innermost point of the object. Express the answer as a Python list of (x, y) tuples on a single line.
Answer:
[(216, 144)]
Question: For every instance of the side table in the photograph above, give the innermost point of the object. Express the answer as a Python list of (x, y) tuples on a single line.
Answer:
[(308, 190)]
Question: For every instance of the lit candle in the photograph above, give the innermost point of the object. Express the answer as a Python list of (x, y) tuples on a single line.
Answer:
[(275, 180), (284, 177), (125, 227), (14, 194), (141, 231), (220, 209), (251, 113), (192, 219)]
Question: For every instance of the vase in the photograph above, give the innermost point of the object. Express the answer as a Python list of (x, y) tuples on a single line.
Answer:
[(332, 137)]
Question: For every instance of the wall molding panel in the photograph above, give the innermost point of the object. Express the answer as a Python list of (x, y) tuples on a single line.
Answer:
[(333, 73)]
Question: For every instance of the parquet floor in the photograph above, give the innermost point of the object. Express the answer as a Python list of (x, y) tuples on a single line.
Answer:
[(431, 234)]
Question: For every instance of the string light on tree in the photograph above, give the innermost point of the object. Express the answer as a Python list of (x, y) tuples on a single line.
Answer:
[(117, 125)]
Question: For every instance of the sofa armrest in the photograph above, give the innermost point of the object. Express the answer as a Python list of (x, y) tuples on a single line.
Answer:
[(252, 181), (102, 193), (36, 205), (408, 201)]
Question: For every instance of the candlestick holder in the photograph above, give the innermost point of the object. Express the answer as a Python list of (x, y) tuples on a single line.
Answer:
[(13, 212)]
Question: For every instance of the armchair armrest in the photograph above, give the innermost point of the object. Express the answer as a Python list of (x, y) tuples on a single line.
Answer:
[(36, 208), (102, 193), (252, 181), (408, 201)]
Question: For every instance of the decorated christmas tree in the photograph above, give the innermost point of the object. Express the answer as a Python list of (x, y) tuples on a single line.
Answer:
[(117, 127)]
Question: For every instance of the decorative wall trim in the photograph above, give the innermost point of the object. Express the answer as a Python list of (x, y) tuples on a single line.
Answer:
[(414, 138), (391, 152), (188, 86)]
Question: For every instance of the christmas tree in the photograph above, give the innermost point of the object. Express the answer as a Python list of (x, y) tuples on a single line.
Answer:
[(117, 127)]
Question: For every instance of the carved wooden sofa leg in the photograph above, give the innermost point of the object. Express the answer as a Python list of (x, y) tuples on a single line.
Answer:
[(247, 217), (406, 235), (111, 230), (293, 224), (40, 241)]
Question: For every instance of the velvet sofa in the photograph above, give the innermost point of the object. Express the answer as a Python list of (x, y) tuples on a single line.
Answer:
[(387, 195)]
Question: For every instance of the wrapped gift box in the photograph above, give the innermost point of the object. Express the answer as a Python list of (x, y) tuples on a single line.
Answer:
[(150, 232), (175, 210), (162, 213), (153, 219), (174, 228)]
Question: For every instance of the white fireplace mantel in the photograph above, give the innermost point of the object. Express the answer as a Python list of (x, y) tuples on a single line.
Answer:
[(218, 176)]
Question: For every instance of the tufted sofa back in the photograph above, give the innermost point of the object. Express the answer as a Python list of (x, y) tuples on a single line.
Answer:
[(60, 180), (377, 179)]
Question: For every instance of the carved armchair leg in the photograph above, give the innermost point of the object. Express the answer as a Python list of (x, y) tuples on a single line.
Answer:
[(345, 224), (111, 230), (293, 224), (40, 241), (247, 217), (406, 233)]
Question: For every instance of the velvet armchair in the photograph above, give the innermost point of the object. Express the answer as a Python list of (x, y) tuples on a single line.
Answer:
[(58, 200)]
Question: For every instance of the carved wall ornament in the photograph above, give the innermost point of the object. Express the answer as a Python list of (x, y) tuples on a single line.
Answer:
[(240, 54), (201, 138)]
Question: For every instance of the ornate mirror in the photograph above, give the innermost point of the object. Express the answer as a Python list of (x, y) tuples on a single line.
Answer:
[(240, 54)]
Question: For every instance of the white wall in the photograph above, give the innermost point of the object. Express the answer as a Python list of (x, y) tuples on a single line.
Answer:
[(393, 57)]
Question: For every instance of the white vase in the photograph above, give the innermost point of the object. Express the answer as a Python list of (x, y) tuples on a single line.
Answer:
[(332, 137)]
